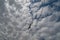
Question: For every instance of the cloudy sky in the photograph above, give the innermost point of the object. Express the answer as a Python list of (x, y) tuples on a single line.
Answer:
[(29, 19)]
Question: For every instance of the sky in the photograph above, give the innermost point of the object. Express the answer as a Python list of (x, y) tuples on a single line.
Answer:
[(29, 19)]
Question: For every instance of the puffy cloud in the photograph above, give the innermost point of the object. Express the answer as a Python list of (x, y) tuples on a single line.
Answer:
[(29, 20)]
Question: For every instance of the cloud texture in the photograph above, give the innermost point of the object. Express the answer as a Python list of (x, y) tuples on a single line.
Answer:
[(29, 19)]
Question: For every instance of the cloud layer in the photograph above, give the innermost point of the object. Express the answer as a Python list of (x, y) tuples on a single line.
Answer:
[(29, 19)]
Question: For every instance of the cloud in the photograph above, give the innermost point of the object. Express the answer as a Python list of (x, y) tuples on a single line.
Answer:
[(29, 20)]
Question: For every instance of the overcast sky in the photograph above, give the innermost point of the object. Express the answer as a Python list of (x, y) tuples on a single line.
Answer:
[(29, 19)]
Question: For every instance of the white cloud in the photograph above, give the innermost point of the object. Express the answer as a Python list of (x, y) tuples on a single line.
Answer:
[(17, 23)]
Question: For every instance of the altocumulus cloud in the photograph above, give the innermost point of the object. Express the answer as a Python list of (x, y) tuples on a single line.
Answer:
[(29, 19)]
